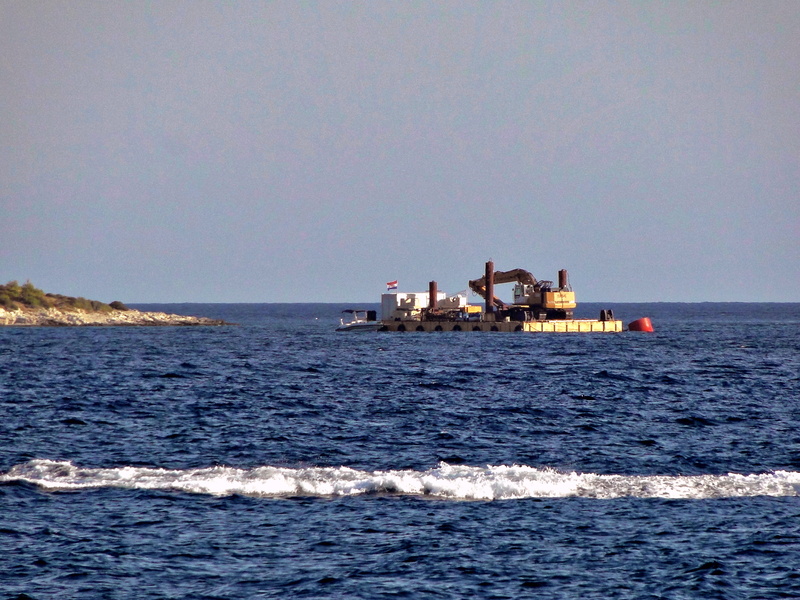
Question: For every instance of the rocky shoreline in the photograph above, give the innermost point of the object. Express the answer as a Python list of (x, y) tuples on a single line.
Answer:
[(54, 317)]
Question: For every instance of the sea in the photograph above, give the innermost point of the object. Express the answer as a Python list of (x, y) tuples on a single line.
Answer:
[(277, 458)]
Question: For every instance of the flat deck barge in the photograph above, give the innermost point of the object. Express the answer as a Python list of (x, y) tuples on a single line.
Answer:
[(573, 326), (537, 307)]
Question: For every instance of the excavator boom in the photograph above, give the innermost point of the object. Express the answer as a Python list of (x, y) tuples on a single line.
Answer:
[(519, 275), (539, 298)]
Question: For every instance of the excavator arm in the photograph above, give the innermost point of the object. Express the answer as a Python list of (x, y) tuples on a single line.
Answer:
[(519, 275)]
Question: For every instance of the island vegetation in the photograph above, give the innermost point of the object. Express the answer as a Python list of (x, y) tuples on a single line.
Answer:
[(27, 305), (14, 296)]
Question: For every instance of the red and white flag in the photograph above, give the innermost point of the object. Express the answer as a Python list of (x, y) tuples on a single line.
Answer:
[(391, 285)]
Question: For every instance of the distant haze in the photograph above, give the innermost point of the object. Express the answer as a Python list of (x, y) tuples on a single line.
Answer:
[(301, 151)]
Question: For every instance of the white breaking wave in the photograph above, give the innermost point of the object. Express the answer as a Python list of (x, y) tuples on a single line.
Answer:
[(445, 481)]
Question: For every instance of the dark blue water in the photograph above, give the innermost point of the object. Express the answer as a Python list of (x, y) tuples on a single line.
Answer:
[(278, 459)]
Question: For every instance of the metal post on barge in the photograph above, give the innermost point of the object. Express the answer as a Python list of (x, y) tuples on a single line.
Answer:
[(489, 274), (433, 296)]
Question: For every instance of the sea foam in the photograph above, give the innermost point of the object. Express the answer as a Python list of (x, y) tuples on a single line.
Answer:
[(444, 481)]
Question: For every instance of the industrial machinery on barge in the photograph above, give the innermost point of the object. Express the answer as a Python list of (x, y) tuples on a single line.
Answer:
[(537, 306)]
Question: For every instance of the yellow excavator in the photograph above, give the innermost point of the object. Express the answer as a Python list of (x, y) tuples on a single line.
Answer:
[(533, 299)]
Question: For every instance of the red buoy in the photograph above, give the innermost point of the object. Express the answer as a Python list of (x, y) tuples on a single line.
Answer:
[(642, 324)]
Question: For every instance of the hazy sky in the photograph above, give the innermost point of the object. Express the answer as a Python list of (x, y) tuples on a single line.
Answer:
[(313, 151)]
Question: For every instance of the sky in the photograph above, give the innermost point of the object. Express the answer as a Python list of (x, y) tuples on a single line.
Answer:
[(280, 151)]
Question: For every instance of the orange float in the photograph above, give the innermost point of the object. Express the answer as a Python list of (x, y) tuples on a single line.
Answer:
[(643, 324)]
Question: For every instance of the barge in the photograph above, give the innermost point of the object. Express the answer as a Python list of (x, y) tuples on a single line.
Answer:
[(537, 306)]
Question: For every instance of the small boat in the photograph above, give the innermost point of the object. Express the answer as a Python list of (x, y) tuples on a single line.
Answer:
[(360, 320)]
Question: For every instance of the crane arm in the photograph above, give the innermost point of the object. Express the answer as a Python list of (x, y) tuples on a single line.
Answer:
[(519, 275)]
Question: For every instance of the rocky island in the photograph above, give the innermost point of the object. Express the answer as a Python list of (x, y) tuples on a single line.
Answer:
[(26, 305)]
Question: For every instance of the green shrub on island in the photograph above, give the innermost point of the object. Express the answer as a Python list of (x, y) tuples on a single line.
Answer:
[(6, 301), (14, 296), (30, 295)]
